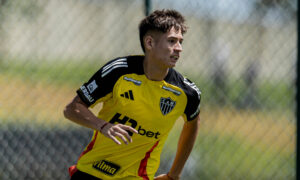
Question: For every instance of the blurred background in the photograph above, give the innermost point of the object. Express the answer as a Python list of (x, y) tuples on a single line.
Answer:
[(241, 54)]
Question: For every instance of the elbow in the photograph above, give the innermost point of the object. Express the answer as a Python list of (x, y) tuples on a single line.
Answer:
[(73, 108), (67, 111)]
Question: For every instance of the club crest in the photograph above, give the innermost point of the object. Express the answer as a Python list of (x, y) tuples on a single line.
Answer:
[(166, 105)]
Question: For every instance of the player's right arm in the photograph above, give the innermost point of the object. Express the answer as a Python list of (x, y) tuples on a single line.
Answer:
[(98, 87), (78, 112)]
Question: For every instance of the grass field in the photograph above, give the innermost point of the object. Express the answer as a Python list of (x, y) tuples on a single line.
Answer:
[(232, 143), (242, 145), (271, 95)]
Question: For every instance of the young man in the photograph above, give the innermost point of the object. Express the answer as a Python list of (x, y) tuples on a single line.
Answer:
[(142, 98)]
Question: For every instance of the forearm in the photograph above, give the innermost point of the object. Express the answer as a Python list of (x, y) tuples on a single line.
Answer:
[(185, 145), (80, 114)]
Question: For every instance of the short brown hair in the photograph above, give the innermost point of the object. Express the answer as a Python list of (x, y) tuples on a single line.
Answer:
[(161, 21)]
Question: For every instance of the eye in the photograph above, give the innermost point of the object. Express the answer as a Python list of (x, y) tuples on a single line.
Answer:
[(172, 41)]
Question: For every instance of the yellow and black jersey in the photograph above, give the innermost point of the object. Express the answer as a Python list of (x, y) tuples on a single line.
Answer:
[(151, 107)]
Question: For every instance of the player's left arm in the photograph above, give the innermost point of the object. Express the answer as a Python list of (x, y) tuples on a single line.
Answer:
[(185, 145)]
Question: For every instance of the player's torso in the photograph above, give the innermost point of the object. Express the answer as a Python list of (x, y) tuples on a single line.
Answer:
[(130, 98), (151, 107)]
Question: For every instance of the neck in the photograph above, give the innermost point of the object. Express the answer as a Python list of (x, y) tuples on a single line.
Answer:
[(154, 71)]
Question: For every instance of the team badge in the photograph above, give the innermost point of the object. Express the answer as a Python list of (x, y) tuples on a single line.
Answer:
[(166, 105), (92, 86)]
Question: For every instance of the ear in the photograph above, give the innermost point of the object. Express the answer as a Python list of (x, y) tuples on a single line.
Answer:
[(149, 42)]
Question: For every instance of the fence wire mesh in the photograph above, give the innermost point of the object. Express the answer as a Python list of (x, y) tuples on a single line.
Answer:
[(241, 54)]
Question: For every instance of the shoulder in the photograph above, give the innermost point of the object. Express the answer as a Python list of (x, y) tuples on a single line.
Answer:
[(190, 89), (121, 65), (103, 81)]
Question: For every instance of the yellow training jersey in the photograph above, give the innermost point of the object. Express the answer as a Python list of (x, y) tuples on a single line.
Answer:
[(151, 107)]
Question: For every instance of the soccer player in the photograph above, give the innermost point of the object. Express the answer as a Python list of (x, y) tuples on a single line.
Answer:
[(142, 98)]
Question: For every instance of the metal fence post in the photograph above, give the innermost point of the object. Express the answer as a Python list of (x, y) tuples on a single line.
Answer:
[(297, 98), (148, 7)]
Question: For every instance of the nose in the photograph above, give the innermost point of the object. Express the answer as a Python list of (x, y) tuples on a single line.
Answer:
[(178, 47)]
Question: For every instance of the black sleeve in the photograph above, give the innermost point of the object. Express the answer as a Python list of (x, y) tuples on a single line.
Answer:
[(103, 81), (193, 102)]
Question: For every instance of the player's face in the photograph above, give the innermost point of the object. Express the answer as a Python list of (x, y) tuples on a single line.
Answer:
[(168, 47)]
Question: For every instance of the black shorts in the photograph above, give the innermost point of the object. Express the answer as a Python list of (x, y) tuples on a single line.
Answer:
[(79, 175)]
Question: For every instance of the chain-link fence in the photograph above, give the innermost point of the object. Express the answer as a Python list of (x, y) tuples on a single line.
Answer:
[(241, 54)]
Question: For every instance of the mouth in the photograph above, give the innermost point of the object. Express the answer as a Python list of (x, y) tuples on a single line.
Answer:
[(174, 57)]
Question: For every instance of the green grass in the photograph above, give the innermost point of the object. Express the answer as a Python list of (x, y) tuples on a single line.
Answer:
[(268, 94), (56, 72), (230, 157), (237, 159)]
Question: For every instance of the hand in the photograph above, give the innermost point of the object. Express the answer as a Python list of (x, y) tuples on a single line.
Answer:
[(118, 130), (165, 177), (162, 177)]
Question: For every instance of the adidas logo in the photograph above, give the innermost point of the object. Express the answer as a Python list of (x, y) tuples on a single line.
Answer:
[(127, 95)]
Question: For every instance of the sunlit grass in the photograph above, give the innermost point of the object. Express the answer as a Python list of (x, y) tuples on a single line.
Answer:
[(229, 153)]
